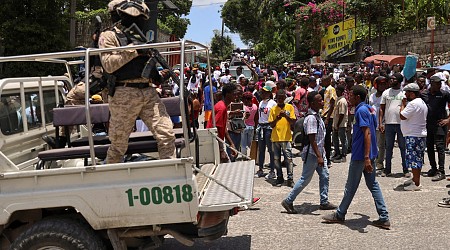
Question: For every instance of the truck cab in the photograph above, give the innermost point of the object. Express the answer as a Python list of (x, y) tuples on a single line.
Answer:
[(24, 118), (47, 203)]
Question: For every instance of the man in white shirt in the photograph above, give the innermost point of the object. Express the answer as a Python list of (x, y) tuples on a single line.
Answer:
[(375, 101), (413, 117), (391, 100), (225, 79), (217, 73), (264, 132)]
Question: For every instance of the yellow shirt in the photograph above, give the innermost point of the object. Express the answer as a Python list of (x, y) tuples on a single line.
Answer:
[(282, 131), (330, 93)]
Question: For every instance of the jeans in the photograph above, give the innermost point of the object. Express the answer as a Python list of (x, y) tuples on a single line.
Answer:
[(356, 169), (247, 138), (340, 135), (264, 134), (381, 143), (391, 131), (439, 141), (236, 138), (285, 147), (329, 132), (308, 171)]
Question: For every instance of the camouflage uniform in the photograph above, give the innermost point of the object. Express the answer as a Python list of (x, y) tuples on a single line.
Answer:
[(74, 97), (128, 103)]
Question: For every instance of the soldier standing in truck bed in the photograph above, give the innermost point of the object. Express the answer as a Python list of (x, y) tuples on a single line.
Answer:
[(134, 96)]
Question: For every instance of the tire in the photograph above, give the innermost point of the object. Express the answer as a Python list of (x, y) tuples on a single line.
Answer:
[(58, 234)]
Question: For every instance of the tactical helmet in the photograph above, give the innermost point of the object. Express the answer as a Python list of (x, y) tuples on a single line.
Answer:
[(130, 7)]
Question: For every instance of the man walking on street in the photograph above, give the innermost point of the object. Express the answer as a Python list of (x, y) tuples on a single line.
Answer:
[(391, 99), (313, 156), (364, 152)]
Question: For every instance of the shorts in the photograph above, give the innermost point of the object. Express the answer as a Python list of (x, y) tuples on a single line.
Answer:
[(208, 114), (415, 150)]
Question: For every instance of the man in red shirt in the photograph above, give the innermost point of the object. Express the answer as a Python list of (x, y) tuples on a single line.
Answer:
[(221, 118)]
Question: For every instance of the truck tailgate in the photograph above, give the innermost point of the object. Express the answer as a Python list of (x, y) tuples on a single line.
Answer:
[(238, 177)]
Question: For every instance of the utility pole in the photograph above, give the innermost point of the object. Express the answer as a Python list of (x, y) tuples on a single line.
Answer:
[(152, 33), (73, 8)]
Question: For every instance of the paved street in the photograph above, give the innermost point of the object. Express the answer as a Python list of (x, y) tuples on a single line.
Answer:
[(417, 221)]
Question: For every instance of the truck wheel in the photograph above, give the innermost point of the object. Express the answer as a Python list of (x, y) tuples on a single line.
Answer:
[(58, 234)]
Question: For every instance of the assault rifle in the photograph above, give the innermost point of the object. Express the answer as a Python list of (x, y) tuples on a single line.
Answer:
[(137, 37), (96, 84)]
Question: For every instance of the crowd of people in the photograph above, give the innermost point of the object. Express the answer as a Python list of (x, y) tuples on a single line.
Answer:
[(410, 113)]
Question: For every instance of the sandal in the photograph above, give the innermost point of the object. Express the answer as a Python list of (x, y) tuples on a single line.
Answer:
[(445, 202)]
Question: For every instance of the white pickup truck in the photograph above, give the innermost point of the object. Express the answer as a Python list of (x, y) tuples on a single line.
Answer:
[(66, 199)]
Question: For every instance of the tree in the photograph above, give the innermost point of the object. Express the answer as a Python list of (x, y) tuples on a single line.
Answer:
[(236, 16), (33, 26), (221, 48), (172, 20), (263, 24)]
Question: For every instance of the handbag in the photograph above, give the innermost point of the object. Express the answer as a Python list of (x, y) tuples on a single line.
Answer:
[(237, 125)]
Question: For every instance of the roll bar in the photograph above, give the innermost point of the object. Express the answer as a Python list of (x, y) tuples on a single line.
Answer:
[(73, 57)]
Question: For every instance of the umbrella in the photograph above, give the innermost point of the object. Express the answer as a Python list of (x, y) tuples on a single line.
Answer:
[(445, 67)]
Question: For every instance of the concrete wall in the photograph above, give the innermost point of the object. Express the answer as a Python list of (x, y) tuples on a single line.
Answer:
[(418, 42)]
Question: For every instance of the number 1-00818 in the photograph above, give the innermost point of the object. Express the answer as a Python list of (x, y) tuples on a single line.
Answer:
[(158, 195)]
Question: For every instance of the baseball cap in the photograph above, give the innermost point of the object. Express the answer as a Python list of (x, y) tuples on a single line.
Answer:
[(270, 84), (317, 73), (96, 98), (435, 79), (412, 87), (267, 88)]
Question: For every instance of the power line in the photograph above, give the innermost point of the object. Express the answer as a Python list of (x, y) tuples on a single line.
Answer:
[(208, 4)]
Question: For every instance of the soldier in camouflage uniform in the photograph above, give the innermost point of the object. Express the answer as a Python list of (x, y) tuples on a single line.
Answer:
[(134, 96)]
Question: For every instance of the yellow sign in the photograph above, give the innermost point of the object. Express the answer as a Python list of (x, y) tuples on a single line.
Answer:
[(339, 40)]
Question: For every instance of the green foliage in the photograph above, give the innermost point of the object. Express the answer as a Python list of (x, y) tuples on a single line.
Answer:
[(34, 26), (173, 20), (242, 16), (90, 15), (221, 48)]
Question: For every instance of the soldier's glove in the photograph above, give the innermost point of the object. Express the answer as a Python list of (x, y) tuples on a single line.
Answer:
[(161, 77), (165, 74)]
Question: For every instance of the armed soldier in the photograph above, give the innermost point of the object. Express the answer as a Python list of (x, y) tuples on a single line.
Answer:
[(132, 95)]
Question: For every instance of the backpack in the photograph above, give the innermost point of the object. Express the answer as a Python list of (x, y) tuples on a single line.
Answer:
[(300, 138)]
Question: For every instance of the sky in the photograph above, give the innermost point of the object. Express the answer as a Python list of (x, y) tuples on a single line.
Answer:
[(205, 17)]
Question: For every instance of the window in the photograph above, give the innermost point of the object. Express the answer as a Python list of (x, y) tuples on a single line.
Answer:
[(11, 111)]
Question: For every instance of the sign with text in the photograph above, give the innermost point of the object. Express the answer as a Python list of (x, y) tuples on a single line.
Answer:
[(431, 23), (339, 40)]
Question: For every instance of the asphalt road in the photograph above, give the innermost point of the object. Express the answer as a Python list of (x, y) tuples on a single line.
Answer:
[(417, 222)]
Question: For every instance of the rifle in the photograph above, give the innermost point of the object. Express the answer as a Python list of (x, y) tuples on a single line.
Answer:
[(96, 84), (137, 37)]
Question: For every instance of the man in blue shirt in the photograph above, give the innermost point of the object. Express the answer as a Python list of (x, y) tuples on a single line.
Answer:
[(208, 103), (364, 152)]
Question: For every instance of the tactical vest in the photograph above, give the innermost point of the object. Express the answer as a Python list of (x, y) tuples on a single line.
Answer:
[(134, 68)]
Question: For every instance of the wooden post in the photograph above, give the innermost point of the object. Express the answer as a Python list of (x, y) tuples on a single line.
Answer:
[(432, 48), (73, 8)]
